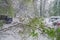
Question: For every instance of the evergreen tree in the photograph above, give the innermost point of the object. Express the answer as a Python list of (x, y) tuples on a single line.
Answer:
[(6, 8), (56, 8)]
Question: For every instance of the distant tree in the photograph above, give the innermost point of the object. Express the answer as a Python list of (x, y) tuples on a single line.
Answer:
[(56, 8), (6, 8), (42, 7)]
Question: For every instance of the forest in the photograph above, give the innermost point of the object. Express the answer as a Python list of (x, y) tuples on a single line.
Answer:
[(29, 19)]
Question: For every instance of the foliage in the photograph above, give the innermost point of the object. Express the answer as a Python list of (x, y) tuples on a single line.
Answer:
[(1, 24), (6, 9), (58, 34), (28, 1), (33, 33), (37, 23), (54, 10), (10, 9)]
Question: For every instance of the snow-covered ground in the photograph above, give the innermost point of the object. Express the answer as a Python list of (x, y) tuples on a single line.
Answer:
[(11, 32)]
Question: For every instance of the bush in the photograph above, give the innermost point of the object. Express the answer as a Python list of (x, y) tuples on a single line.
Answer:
[(37, 23)]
